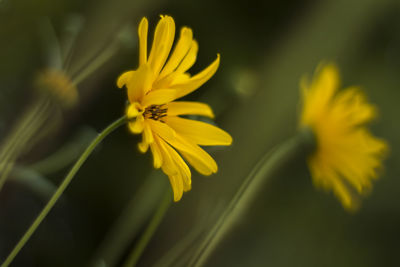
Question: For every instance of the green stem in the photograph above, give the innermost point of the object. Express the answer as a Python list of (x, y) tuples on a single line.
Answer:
[(296, 147), (16, 141), (137, 251), (97, 62), (127, 226), (61, 189)]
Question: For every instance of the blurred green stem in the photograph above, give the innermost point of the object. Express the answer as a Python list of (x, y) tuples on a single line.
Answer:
[(66, 155), (97, 62), (128, 225), (62, 188), (297, 147), (155, 221), (18, 139)]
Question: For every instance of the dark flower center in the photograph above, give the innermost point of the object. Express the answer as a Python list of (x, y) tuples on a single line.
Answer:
[(155, 112)]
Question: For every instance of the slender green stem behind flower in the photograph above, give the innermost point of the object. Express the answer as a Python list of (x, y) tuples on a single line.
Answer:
[(25, 129), (297, 147), (61, 189), (151, 228), (129, 224)]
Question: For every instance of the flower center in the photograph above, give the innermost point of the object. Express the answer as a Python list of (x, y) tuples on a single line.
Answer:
[(155, 112)]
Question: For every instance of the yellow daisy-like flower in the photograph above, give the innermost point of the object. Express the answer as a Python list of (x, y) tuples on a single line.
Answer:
[(347, 155), (152, 89)]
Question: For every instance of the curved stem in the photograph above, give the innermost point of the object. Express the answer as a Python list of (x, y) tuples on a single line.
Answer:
[(61, 189), (155, 221), (297, 147)]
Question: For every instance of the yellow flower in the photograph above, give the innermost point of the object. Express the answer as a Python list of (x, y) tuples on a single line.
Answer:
[(347, 155), (57, 84), (152, 89)]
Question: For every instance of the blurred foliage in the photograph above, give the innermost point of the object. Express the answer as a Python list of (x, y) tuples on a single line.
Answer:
[(265, 46)]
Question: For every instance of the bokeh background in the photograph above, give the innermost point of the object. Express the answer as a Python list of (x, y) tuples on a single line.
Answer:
[(265, 47)]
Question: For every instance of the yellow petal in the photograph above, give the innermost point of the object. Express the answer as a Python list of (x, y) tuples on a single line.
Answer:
[(186, 187), (132, 111), (197, 164), (124, 78), (189, 59), (147, 138), (168, 135), (157, 157), (189, 108), (162, 130), (180, 51), (167, 165), (147, 133), (198, 132), (142, 32), (159, 97), (170, 168), (328, 77), (139, 83), (180, 164), (195, 155), (143, 147), (196, 81), (162, 43), (177, 186), (352, 107), (137, 126)]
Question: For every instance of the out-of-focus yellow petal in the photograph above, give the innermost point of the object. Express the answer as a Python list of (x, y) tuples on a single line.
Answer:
[(351, 107), (189, 108), (329, 79), (198, 132), (347, 156), (142, 32), (196, 81)]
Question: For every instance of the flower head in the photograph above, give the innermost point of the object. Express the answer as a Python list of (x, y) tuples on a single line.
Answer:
[(347, 155), (57, 84), (152, 88)]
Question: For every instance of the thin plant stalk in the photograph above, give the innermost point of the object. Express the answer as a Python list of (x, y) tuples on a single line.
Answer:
[(68, 178), (127, 226), (296, 147), (155, 221), (97, 62), (21, 135)]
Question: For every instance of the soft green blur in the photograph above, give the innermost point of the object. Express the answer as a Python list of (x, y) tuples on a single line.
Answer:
[(265, 47)]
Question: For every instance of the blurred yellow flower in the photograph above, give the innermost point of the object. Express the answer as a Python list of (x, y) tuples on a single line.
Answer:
[(153, 87), (57, 84), (347, 155)]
